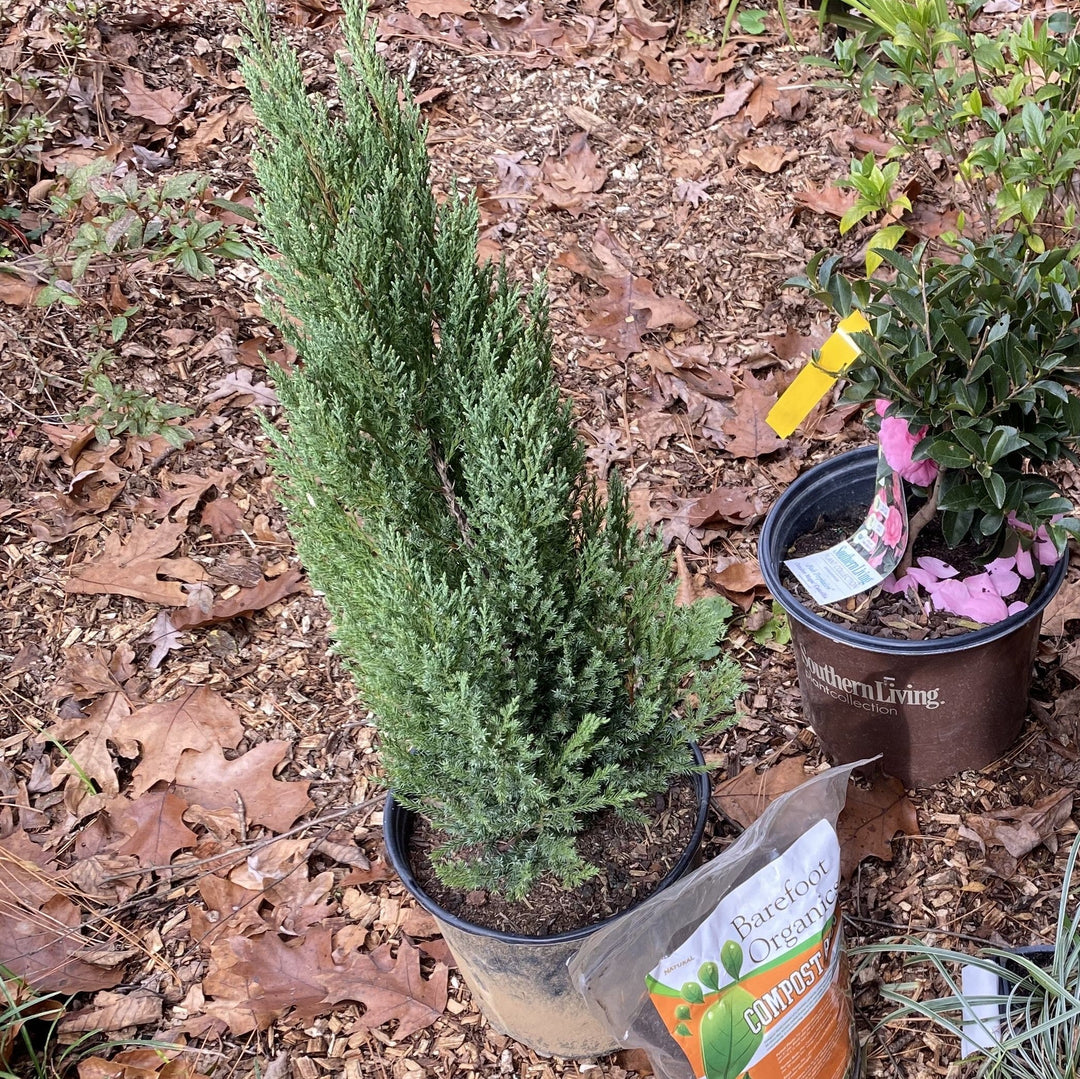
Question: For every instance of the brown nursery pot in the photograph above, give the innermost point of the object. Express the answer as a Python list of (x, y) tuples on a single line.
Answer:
[(521, 983), (931, 708)]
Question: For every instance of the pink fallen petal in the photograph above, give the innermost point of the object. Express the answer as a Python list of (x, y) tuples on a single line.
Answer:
[(935, 566), (924, 578), (954, 597), (980, 584), (1017, 606), (1024, 566), (892, 585), (1045, 551), (1006, 579)]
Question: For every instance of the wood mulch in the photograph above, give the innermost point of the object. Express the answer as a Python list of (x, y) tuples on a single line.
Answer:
[(695, 187)]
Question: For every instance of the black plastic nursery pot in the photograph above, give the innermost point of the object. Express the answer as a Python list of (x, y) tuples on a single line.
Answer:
[(931, 708), (521, 983)]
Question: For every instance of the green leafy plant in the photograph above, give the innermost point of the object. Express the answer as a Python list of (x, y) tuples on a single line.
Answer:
[(874, 185), (1038, 1015), (167, 222), (1000, 109), (516, 637), (981, 356), (769, 625), (114, 410), (752, 21)]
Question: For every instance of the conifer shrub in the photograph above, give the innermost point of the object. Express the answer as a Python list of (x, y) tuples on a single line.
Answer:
[(515, 635)]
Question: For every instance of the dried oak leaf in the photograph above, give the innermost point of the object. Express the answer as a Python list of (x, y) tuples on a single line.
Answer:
[(748, 433), (629, 308), (255, 980), (91, 755), (762, 102), (389, 988), (768, 159), (686, 591), (17, 292), (828, 200), (434, 8), (158, 106), (736, 95), (114, 1011), (198, 720), (143, 1064), (154, 826), (744, 797), (41, 941), (705, 76), (1020, 829), (638, 21), (739, 581), (739, 506), (871, 816), (182, 492), (206, 778), (135, 566), (573, 176), (238, 383), (244, 602), (231, 911), (1062, 608)]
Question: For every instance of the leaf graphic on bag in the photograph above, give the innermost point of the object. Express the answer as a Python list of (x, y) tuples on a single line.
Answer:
[(727, 1042)]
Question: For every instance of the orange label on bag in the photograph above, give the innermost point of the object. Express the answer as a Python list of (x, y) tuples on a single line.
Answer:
[(762, 985)]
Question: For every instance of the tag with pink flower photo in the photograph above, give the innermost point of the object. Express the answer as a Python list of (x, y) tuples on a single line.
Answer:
[(868, 556)]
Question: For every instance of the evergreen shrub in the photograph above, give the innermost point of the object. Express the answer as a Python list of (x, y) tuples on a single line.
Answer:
[(515, 635)]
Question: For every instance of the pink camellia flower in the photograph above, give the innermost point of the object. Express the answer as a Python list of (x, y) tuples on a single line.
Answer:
[(894, 527), (897, 442)]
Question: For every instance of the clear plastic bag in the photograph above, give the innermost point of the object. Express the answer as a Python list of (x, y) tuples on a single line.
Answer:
[(739, 966)]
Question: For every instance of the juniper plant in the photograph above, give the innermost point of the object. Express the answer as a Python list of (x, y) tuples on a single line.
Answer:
[(515, 635)]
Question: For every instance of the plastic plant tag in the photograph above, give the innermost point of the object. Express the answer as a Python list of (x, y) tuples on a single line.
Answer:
[(773, 948), (982, 1022), (817, 377), (740, 965), (868, 556)]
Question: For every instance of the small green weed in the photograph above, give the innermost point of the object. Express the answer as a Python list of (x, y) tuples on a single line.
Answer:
[(769, 625), (167, 222), (115, 410)]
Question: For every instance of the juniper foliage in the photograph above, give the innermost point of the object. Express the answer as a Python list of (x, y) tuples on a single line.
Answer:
[(515, 635)]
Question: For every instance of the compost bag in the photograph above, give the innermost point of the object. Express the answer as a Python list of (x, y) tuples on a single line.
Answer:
[(740, 966)]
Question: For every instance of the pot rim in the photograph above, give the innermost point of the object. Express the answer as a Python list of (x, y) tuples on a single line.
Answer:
[(397, 821), (770, 570)]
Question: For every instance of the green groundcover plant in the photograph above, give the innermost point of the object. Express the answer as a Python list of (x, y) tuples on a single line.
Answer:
[(515, 635), (1035, 1029), (972, 365)]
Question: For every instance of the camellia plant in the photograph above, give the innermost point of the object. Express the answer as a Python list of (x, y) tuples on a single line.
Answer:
[(970, 366)]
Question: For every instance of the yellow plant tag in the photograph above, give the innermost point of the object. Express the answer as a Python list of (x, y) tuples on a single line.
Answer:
[(817, 377)]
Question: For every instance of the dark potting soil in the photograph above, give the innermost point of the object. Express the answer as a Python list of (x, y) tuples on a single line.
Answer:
[(632, 859), (883, 614)]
